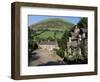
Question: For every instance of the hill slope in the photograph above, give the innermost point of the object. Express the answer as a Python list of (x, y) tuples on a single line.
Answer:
[(50, 28), (52, 24)]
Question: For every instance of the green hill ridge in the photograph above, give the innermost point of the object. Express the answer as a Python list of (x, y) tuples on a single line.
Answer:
[(52, 24), (50, 28)]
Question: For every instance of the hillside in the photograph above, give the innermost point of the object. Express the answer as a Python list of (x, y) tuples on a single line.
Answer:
[(51, 29), (52, 24)]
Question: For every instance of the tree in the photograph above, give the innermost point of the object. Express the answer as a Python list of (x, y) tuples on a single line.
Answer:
[(50, 38), (83, 23), (32, 45), (55, 35), (63, 44), (64, 39)]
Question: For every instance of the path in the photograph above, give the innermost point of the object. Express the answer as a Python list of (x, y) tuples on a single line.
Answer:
[(44, 57)]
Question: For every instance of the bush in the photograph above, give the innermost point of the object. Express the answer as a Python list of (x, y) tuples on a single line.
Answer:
[(32, 46), (60, 52), (75, 59)]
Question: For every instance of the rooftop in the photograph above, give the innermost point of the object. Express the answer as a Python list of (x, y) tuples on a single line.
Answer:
[(48, 43)]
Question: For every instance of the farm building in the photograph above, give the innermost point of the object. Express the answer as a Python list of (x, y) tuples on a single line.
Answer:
[(48, 45)]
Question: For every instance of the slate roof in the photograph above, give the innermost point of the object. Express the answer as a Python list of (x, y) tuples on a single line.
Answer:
[(84, 30), (48, 43)]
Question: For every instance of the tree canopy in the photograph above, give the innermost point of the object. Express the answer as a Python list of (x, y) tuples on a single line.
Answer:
[(83, 23)]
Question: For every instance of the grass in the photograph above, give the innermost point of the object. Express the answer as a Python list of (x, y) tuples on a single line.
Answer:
[(47, 34), (56, 29)]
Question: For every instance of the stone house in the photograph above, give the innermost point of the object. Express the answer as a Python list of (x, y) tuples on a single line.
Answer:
[(48, 45), (77, 36)]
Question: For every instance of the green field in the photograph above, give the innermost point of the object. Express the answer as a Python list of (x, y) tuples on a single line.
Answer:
[(49, 34)]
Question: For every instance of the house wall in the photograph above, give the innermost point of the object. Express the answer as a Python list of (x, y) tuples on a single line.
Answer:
[(47, 47)]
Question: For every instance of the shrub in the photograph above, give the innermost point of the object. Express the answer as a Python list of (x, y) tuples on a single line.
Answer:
[(60, 52)]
